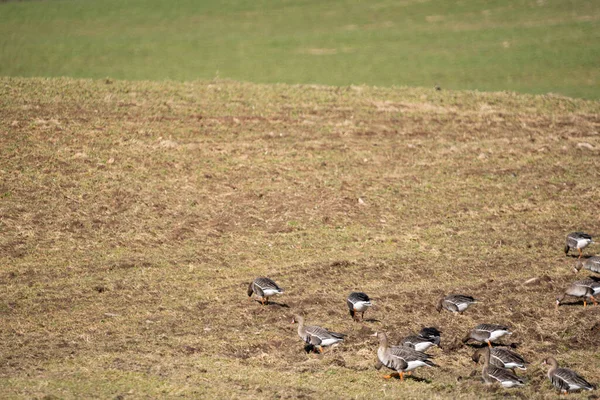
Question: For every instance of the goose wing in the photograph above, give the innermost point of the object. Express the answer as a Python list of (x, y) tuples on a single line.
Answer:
[(593, 264), (506, 358), (567, 379), (317, 335), (491, 328), (391, 358), (414, 341), (504, 376), (264, 284), (355, 297), (431, 333)]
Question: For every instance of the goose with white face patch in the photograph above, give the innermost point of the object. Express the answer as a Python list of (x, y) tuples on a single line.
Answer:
[(577, 240), (399, 358), (487, 333), (564, 379)]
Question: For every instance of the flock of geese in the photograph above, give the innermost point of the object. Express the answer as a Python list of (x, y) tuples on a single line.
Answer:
[(498, 362)]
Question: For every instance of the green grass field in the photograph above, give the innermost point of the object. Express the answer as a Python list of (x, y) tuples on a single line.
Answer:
[(133, 215), (533, 46)]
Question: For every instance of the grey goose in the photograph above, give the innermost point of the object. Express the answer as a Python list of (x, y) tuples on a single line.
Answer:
[(577, 240), (487, 333), (492, 374), (419, 343), (456, 303), (399, 358), (315, 335), (591, 264), (265, 288), (358, 302), (585, 288), (564, 379), (503, 358)]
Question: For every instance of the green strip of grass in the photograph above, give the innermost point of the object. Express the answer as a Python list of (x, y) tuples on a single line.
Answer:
[(535, 46)]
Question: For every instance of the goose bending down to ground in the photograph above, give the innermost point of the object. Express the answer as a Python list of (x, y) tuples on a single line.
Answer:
[(399, 358), (585, 288), (431, 333), (456, 303), (265, 288), (358, 302), (591, 264), (492, 374), (577, 240), (502, 358), (419, 342), (315, 335), (564, 379), (487, 333)]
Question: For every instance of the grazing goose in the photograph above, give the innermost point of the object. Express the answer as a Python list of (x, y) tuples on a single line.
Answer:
[(431, 333), (265, 288), (564, 379), (486, 333), (419, 343), (502, 358), (592, 264), (455, 303), (577, 240), (584, 288), (315, 335), (399, 358), (492, 374), (592, 283), (358, 302)]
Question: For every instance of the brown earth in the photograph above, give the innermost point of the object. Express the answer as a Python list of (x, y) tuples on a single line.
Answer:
[(133, 215)]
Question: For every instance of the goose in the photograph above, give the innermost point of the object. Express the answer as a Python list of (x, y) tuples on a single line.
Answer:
[(358, 302), (564, 379), (585, 288), (456, 303), (431, 333), (419, 343), (503, 358), (265, 288), (577, 240), (399, 358), (591, 264), (487, 333), (492, 374), (315, 335)]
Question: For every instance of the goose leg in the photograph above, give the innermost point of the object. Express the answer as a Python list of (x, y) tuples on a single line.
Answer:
[(402, 376), (594, 300), (266, 300), (363, 316), (580, 253), (320, 349), (584, 303), (489, 343)]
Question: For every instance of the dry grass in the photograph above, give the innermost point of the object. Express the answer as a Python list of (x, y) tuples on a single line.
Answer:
[(133, 215)]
